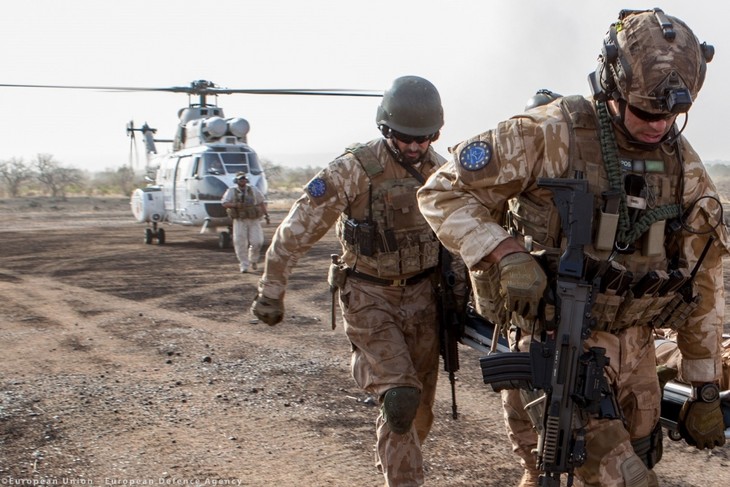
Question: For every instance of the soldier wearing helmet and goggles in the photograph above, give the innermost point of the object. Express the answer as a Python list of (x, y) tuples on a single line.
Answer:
[(656, 245), (385, 273)]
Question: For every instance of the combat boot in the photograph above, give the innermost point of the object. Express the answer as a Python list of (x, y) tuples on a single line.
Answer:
[(529, 478)]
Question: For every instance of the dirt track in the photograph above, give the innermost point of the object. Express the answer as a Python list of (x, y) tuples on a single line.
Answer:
[(129, 363)]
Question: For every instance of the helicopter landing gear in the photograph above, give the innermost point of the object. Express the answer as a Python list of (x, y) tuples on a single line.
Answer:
[(151, 233), (224, 240)]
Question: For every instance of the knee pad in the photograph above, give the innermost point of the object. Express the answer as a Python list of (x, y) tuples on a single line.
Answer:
[(399, 408), (634, 472)]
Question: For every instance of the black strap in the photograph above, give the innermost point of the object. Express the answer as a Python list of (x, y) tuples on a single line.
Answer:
[(414, 172), (389, 282)]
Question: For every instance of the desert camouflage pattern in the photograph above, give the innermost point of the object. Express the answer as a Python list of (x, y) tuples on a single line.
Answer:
[(394, 336), (393, 329), (466, 207), (346, 192), (646, 58), (668, 354), (521, 434)]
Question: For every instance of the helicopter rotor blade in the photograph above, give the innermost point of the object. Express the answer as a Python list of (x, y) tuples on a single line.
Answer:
[(207, 88)]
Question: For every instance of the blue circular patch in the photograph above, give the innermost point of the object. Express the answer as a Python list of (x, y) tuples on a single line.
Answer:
[(317, 188), (475, 156)]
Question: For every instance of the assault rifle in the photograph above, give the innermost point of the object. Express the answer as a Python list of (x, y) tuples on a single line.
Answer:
[(572, 380), (450, 327)]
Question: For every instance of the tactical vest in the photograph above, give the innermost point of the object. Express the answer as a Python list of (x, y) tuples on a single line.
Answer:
[(391, 237), (246, 207), (635, 286)]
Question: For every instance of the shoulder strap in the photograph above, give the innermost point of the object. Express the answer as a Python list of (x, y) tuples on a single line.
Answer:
[(367, 158), (579, 115)]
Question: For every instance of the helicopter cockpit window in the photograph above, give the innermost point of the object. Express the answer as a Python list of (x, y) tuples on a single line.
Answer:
[(253, 164), (212, 164), (235, 162)]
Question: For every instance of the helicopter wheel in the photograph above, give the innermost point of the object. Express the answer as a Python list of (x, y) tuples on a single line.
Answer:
[(148, 236), (224, 240), (674, 435), (160, 236)]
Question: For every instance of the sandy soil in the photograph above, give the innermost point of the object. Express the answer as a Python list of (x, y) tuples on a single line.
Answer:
[(125, 363)]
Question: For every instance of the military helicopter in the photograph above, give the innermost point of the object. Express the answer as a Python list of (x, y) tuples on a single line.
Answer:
[(207, 150)]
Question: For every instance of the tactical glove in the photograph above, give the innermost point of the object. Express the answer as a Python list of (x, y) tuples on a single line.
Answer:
[(268, 310), (522, 283), (701, 424)]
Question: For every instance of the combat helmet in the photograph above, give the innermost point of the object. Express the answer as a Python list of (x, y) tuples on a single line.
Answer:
[(541, 97), (411, 106), (240, 175), (652, 61)]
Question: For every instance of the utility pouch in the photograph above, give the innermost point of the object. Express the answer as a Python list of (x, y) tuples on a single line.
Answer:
[(489, 301), (410, 259), (653, 239), (232, 213), (606, 233), (388, 264), (608, 220)]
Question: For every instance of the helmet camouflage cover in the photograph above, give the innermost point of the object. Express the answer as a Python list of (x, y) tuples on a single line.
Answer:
[(653, 61), (412, 106)]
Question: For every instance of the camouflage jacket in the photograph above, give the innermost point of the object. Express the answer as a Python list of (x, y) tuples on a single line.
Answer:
[(466, 201), (344, 190)]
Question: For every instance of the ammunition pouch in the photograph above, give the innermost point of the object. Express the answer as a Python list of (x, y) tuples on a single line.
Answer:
[(362, 235), (661, 299)]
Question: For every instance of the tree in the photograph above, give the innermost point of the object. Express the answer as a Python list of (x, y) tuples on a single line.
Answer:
[(125, 180), (14, 173), (54, 177)]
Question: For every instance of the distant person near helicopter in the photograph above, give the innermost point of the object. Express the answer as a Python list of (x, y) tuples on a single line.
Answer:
[(246, 205)]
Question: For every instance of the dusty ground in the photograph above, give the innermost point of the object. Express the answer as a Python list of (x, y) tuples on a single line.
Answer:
[(124, 363)]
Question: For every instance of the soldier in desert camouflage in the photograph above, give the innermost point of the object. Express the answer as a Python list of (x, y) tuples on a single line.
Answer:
[(655, 212), (385, 274)]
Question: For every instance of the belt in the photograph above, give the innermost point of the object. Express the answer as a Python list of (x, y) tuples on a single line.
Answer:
[(390, 282)]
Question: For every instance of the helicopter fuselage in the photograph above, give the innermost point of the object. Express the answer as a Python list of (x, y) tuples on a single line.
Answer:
[(190, 183)]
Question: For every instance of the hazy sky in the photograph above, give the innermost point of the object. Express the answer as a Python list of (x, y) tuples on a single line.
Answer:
[(485, 57)]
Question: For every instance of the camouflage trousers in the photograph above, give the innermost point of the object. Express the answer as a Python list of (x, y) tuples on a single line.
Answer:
[(611, 460), (394, 337), (248, 236)]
